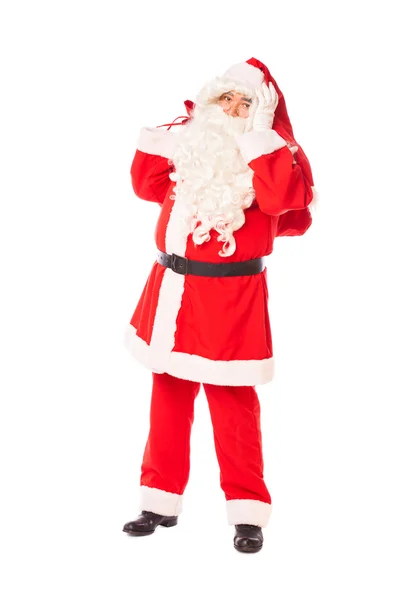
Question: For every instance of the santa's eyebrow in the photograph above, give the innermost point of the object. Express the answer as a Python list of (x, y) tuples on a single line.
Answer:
[(243, 98)]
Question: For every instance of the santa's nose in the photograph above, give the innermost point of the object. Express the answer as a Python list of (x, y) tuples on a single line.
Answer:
[(232, 110)]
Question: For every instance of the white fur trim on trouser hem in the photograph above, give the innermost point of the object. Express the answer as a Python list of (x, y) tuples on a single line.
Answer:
[(253, 144), (160, 501), (248, 512)]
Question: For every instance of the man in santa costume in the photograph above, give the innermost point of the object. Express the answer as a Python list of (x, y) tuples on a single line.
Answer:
[(229, 179)]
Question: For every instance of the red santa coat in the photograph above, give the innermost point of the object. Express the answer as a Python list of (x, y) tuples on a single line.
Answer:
[(214, 329)]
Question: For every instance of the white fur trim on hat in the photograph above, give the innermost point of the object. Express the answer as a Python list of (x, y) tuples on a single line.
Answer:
[(245, 73)]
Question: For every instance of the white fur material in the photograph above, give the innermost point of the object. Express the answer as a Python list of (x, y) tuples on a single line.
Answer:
[(248, 512), (314, 202), (157, 141), (160, 501), (169, 301), (245, 73), (171, 292), (198, 368), (254, 143)]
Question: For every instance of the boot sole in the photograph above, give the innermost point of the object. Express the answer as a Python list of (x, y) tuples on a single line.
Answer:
[(247, 550), (138, 533)]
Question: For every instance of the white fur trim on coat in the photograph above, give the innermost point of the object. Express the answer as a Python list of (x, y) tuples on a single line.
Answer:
[(160, 501), (157, 141), (248, 512), (198, 368), (171, 292), (314, 202), (253, 144)]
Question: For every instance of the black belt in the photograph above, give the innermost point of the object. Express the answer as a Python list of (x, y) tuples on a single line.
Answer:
[(186, 266)]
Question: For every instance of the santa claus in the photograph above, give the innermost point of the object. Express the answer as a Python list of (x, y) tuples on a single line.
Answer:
[(229, 181)]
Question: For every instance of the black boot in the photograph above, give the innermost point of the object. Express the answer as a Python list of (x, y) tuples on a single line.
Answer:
[(248, 538), (147, 522)]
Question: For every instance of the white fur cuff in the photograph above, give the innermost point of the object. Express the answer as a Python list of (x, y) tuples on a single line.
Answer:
[(253, 144), (160, 501), (314, 202), (248, 512), (157, 141)]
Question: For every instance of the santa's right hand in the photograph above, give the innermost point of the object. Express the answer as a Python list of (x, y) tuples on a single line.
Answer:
[(267, 103)]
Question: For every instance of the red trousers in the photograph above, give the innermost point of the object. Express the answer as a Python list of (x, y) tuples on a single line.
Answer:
[(235, 416)]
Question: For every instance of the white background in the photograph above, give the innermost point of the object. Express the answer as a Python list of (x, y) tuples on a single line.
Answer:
[(78, 81)]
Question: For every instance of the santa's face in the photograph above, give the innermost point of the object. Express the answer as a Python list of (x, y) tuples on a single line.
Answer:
[(235, 104)]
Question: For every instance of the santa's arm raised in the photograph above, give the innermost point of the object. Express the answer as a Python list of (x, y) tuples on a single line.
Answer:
[(279, 183), (150, 168)]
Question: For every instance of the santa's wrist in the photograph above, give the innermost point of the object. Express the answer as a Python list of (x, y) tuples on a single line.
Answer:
[(255, 143), (263, 121)]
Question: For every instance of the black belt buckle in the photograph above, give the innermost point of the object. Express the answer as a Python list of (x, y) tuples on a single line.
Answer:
[(179, 264)]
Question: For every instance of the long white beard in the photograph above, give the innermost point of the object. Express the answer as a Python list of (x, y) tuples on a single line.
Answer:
[(213, 181)]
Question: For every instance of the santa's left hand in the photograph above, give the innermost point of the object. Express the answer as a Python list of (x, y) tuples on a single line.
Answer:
[(267, 103)]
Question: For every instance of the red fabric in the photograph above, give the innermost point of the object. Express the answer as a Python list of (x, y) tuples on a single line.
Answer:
[(220, 318), (227, 318), (143, 316), (205, 326), (150, 176), (279, 184), (224, 318), (282, 122), (294, 222), (235, 328), (235, 415)]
